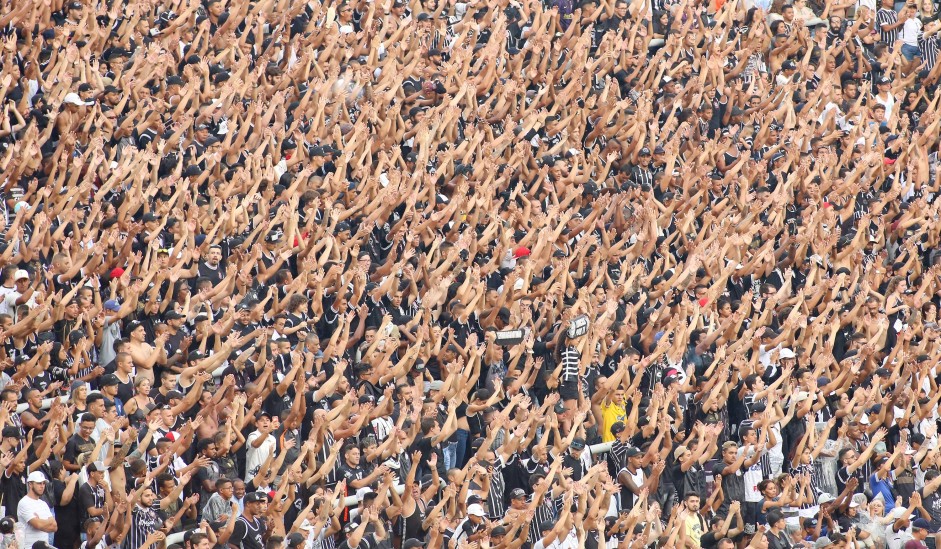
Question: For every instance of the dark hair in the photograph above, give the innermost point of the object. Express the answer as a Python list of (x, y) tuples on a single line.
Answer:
[(203, 444), (88, 417)]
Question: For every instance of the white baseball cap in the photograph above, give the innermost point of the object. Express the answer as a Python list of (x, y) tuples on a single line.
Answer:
[(74, 99), (475, 509), (36, 476)]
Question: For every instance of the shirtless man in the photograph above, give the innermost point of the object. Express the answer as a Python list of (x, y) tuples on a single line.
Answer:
[(144, 355)]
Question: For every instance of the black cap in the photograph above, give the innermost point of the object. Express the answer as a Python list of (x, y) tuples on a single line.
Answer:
[(11, 432), (294, 539), (108, 380), (517, 493), (412, 543), (632, 451), (578, 444), (617, 427), (254, 497)]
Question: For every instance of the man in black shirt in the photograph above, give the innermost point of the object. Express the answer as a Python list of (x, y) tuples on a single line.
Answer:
[(777, 538), (212, 268), (79, 443), (92, 495), (250, 527), (573, 459)]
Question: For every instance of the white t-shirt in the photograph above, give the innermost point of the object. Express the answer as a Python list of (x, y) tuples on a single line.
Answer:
[(27, 510), (8, 297), (254, 457), (568, 542), (911, 31)]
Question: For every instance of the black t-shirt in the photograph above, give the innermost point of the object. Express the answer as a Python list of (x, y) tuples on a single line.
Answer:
[(709, 540), (843, 476), (91, 498), (932, 504), (778, 541), (248, 534), (424, 446), (77, 446)]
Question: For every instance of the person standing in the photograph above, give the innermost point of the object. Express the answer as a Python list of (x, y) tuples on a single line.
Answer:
[(92, 494), (250, 527), (34, 513), (259, 445), (144, 521)]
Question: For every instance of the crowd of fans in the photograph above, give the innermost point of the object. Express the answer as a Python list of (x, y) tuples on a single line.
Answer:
[(386, 274)]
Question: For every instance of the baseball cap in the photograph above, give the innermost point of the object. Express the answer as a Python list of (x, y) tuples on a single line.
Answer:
[(254, 497), (294, 539), (96, 467), (36, 476), (578, 444), (412, 543), (112, 305), (10, 432), (74, 99), (20, 274), (632, 451), (522, 251), (617, 428), (109, 379), (921, 524), (517, 493), (476, 509)]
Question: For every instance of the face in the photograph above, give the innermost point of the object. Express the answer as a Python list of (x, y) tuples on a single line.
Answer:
[(86, 428), (353, 456), (238, 488), (215, 256), (147, 498), (692, 503)]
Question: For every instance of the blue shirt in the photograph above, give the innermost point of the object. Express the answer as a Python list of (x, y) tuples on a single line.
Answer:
[(883, 487)]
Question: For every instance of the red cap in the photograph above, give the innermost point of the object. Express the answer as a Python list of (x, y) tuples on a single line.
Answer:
[(117, 272), (520, 252)]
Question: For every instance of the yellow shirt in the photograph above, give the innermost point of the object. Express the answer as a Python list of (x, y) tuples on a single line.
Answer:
[(611, 413), (694, 529)]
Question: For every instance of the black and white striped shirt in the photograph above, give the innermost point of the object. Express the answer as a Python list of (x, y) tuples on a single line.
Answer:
[(887, 17), (545, 512), (143, 523), (496, 506)]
